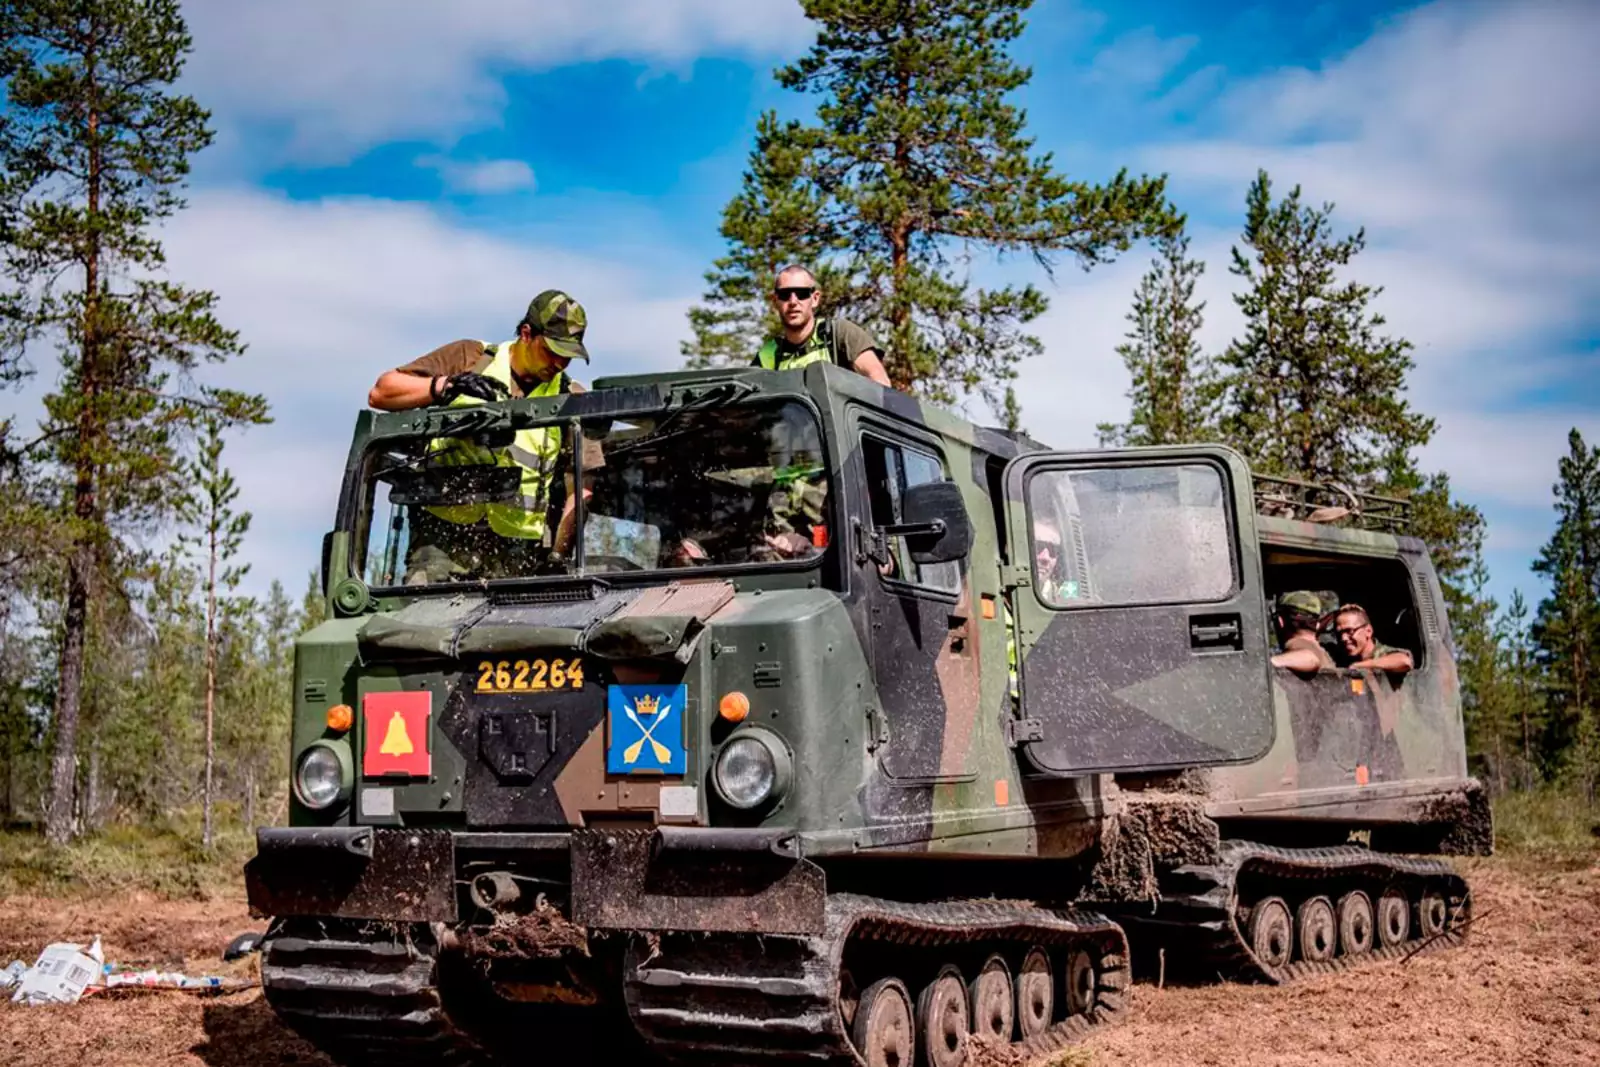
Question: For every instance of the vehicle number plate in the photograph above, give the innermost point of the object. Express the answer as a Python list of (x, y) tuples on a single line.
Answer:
[(529, 675)]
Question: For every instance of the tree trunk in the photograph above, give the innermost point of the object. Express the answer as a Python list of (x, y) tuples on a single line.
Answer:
[(58, 827), (92, 800), (249, 799), (80, 568), (211, 674)]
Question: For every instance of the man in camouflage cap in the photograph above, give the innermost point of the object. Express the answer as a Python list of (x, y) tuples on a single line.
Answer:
[(548, 337), (1298, 616), (501, 536)]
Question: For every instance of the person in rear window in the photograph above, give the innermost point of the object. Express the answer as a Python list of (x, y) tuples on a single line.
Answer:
[(1362, 649), (1298, 616)]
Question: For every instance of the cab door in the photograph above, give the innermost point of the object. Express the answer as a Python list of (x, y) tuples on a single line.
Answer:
[(1141, 628)]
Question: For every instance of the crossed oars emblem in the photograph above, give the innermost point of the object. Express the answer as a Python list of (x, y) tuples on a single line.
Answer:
[(647, 704)]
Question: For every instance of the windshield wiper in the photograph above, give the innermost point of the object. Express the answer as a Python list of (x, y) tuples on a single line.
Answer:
[(724, 392)]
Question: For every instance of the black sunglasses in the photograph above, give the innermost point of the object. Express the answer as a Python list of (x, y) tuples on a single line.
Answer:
[(793, 292)]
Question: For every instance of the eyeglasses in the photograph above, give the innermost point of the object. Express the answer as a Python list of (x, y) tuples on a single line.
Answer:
[(786, 293), (1350, 631), (1046, 548)]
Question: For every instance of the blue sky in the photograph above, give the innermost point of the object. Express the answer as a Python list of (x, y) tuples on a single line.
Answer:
[(392, 175)]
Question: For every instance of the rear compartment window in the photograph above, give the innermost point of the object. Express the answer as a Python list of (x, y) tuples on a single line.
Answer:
[(1130, 535)]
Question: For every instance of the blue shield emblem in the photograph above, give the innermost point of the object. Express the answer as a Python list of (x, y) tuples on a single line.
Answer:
[(646, 729)]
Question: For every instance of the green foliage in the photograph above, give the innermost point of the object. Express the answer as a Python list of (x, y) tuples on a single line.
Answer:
[(1173, 391), (1567, 628), (163, 857), (1550, 824), (915, 159), (94, 151), (1312, 390)]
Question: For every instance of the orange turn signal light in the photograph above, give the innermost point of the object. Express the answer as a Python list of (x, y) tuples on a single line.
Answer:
[(341, 717), (734, 707)]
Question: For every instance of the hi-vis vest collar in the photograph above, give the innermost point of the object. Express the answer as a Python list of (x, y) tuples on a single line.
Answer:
[(820, 346)]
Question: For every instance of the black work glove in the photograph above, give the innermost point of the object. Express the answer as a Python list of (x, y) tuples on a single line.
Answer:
[(477, 386)]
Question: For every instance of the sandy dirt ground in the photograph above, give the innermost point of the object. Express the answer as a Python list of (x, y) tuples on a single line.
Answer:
[(1524, 990)]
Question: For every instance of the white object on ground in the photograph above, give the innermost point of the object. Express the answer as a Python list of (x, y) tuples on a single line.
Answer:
[(62, 973)]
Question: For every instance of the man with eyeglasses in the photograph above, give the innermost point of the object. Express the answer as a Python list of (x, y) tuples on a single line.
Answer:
[(1354, 630), (805, 340)]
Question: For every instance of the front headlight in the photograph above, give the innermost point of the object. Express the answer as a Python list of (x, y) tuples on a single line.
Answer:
[(752, 769), (320, 778)]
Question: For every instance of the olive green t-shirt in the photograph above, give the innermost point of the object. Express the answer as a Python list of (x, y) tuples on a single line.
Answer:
[(852, 341)]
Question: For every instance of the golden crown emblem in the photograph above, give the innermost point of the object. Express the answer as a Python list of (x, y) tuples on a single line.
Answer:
[(645, 704)]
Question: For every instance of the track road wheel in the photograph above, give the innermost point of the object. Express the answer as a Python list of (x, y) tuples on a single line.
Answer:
[(1272, 932), (1081, 982), (1318, 930), (1355, 923), (991, 1000), (1036, 993), (883, 1031), (943, 1021), (1433, 914), (1394, 918)]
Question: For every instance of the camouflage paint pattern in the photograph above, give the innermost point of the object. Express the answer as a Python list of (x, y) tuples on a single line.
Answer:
[(892, 698)]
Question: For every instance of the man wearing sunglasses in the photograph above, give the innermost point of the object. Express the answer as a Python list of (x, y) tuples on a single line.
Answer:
[(1361, 648), (805, 340)]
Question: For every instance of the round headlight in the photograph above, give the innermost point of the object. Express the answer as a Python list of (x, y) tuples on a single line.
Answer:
[(319, 780), (752, 770)]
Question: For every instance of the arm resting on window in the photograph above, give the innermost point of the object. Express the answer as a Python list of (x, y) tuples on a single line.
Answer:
[(1394, 662)]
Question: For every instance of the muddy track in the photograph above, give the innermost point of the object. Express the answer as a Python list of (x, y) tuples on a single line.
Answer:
[(1522, 989)]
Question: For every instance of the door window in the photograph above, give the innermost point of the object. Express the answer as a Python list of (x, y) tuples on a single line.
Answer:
[(1126, 535), (892, 468)]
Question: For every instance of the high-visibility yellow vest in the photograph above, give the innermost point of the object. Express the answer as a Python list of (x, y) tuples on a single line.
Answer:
[(534, 450), (817, 349)]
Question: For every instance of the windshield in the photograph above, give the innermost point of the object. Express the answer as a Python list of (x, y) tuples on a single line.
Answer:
[(716, 486)]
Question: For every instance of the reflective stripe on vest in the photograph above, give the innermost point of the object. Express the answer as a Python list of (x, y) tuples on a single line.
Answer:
[(533, 450)]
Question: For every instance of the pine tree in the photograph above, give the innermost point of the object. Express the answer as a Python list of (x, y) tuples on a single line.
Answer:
[(1171, 391), (94, 151), (1312, 390), (218, 532), (1523, 687), (1567, 628), (776, 220), (915, 162)]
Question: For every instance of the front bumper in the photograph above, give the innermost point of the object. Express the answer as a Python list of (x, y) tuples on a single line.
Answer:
[(669, 878)]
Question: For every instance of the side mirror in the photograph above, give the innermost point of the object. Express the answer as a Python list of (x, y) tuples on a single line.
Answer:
[(935, 526)]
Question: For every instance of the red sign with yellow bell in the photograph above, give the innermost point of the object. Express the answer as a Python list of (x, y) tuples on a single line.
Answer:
[(396, 731)]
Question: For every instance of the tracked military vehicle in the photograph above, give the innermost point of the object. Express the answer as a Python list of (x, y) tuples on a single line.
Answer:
[(842, 730)]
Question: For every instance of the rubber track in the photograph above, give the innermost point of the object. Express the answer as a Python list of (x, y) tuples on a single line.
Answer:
[(1197, 911), (743, 999), (364, 993)]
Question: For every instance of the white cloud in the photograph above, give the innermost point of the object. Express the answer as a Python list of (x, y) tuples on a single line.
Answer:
[(1463, 138), (342, 76), (330, 294), (487, 177), (1139, 59)]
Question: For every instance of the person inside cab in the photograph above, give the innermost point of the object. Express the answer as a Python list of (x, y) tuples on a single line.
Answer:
[(1361, 649), (805, 339), (500, 536), (1298, 615)]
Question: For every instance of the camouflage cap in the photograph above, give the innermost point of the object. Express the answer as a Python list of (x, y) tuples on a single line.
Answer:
[(1301, 600), (560, 320)]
